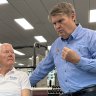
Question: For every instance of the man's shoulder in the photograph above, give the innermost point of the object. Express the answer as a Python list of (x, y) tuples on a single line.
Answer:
[(20, 73), (57, 40), (90, 31)]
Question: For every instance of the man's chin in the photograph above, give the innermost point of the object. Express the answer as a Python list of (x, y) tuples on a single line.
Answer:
[(63, 37), (10, 63)]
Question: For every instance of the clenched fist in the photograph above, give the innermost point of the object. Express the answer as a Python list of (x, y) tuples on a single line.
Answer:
[(70, 55)]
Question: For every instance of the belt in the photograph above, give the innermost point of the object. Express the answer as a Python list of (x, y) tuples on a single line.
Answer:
[(82, 91)]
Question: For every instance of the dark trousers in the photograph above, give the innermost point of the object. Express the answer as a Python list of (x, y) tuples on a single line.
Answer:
[(85, 94)]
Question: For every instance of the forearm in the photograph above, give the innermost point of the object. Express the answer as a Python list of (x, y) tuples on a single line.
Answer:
[(26, 92), (39, 73), (43, 68)]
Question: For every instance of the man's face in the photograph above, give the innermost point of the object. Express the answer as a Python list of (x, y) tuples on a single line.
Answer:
[(63, 24), (7, 56)]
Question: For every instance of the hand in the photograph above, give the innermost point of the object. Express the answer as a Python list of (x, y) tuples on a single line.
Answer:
[(70, 55)]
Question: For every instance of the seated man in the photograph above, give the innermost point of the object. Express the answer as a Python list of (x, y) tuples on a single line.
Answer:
[(12, 82)]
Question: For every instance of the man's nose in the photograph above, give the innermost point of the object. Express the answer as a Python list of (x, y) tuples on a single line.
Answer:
[(58, 26), (10, 53)]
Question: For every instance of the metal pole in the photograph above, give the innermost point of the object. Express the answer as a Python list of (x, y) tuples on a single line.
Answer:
[(34, 55)]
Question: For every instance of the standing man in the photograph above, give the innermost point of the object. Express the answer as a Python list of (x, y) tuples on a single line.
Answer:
[(12, 82), (73, 54)]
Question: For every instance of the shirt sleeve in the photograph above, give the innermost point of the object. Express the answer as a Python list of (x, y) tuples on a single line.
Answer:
[(43, 68), (89, 64), (25, 83)]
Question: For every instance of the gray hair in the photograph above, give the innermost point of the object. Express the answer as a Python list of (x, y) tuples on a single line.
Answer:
[(4, 45)]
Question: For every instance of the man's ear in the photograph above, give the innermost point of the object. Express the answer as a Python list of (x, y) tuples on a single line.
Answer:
[(73, 16)]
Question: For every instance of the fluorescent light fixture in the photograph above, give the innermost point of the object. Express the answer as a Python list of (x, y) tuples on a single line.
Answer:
[(40, 39), (30, 58), (3, 2), (49, 47), (20, 64), (92, 18), (24, 23), (18, 52)]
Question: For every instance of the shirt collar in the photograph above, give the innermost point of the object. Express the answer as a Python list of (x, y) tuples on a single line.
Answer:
[(76, 31), (12, 71)]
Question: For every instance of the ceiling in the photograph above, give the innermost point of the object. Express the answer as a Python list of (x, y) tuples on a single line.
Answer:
[(36, 12)]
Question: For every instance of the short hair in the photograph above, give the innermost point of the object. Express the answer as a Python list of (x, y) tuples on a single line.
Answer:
[(4, 44), (62, 8)]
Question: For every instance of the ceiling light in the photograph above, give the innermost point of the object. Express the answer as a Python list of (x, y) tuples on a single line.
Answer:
[(30, 58), (49, 47), (92, 16), (24, 23), (3, 2), (18, 52), (40, 39), (20, 64), (0, 44)]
